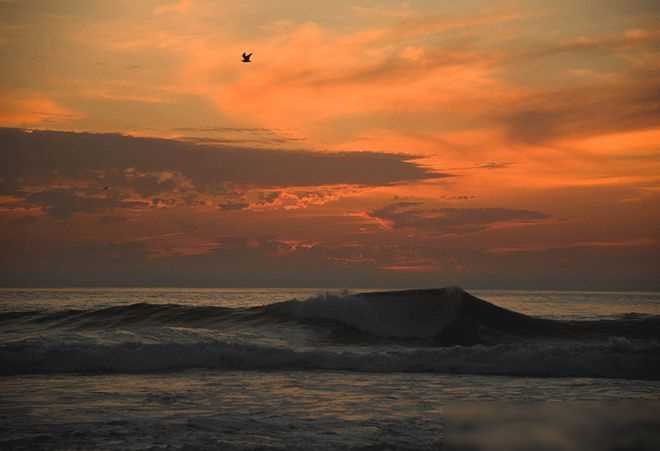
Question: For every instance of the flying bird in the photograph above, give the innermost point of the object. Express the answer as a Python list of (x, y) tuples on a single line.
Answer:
[(246, 57)]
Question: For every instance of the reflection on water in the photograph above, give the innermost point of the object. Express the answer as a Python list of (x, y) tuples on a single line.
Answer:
[(583, 426), (285, 410)]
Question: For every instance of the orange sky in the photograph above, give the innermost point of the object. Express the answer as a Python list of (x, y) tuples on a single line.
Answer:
[(375, 143)]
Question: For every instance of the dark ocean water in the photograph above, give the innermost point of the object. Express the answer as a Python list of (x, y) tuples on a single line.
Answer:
[(284, 369)]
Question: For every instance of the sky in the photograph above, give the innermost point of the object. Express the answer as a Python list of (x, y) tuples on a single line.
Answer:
[(487, 144)]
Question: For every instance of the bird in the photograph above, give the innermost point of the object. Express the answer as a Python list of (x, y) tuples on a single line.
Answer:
[(246, 57), (106, 188)]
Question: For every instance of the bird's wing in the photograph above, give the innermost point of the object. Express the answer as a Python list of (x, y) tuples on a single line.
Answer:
[(245, 55), (249, 55)]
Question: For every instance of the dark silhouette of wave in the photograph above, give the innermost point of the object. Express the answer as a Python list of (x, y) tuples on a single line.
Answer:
[(445, 316), (441, 330)]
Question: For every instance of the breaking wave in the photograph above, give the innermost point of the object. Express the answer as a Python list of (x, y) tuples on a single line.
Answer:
[(444, 331)]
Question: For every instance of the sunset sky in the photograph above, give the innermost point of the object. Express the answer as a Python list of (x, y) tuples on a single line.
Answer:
[(488, 144)]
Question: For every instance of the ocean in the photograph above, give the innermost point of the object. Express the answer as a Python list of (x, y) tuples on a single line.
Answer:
[(326, 369)]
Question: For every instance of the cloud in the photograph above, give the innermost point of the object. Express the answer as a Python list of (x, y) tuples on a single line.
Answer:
[(62, 203), (642, 242), (43, 153), (583, 44), (451, 220), (238, 136), (396, 68), (32, 109), (390, 70), (629, 103), (413, 266), (179, 7), (488, 165), (415, 26), (66, 172), (229, 206), (294, 199), (225, 129), (267, 141)]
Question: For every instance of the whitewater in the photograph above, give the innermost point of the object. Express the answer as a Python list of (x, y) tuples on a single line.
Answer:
[(209, 368)]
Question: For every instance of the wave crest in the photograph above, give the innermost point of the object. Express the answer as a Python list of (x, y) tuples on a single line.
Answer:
[(389, 314)]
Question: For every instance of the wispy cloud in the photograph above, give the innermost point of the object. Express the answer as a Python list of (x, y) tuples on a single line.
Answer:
[(630, 102), (642, 242), (33, 109), (179, 7), (451, 220)]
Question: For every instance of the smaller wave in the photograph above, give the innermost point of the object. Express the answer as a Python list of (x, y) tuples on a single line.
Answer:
[(615, 358), (139, 314)]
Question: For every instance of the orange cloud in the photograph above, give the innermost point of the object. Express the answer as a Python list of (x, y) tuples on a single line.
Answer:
[(422, 266), (642, 242), (180, 7), (305, 77), (25, 110)]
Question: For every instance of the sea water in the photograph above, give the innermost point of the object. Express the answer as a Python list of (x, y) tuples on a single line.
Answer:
[(252, 369)]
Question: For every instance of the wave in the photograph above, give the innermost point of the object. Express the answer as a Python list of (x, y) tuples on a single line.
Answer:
[(442, 330), (445, 316), (616, 358)]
